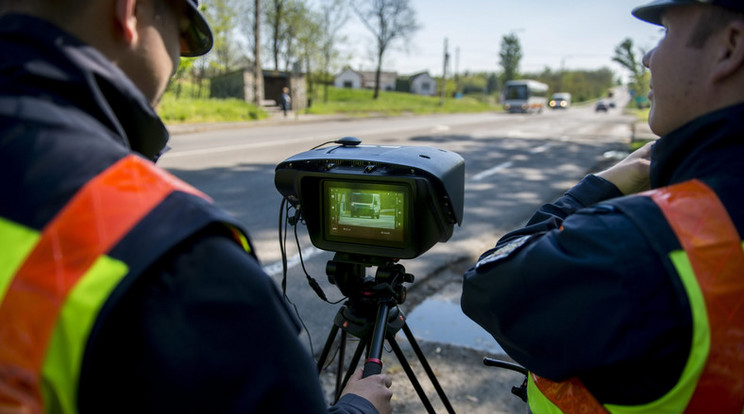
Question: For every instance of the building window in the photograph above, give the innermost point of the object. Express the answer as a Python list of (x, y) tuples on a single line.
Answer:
[(348, 84)]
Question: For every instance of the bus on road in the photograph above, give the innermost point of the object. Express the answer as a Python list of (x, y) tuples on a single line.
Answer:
[(525, 96)]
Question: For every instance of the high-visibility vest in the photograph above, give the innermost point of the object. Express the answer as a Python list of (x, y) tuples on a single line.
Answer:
[(711, 267), (53, 283)]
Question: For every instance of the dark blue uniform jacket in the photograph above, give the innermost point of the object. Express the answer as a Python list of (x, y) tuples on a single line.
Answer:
[(203, 329), (599, 300)]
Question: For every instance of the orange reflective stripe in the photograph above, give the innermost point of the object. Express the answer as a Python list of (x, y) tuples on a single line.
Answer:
[(91, 224), (714, 248), (569, 396)]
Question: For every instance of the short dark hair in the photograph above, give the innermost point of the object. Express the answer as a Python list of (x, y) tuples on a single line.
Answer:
[(711, 20)]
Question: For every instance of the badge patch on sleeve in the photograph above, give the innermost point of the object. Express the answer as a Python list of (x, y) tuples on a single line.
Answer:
[(504, 251)]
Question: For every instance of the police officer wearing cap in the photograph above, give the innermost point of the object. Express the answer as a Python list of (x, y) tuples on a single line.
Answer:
[(122, 288), (626, 295)]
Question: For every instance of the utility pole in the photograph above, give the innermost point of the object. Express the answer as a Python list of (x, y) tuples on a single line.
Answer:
[(444, 73), (257, 71), (458, 86)]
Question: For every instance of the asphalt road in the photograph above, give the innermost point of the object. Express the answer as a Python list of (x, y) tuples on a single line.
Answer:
[(514, 163)]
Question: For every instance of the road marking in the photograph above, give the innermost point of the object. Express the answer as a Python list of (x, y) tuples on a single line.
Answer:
[(541, 148), (276, 268), (491, 171)]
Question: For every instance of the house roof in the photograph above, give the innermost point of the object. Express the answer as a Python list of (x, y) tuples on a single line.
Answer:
[(369, 77), (416, 75)]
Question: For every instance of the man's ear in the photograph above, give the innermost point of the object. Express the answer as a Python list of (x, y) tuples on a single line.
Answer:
[(126, 20), (729, 56)]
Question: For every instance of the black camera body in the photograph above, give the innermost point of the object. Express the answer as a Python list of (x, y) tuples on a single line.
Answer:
[(381, 201)]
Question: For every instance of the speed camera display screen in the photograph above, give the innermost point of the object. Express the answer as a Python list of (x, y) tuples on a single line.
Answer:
[(365, 213)]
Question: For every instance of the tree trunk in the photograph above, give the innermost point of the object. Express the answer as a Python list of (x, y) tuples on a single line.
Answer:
[(257, 72), (378, 76)]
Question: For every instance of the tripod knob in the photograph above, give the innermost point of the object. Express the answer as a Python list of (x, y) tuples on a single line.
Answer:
[(331, 272), (408, 278)]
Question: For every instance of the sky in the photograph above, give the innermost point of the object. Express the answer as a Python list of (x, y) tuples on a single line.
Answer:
[(568, 34)]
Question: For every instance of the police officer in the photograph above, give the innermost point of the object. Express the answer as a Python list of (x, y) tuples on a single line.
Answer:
[(123, 289), (627, 293)]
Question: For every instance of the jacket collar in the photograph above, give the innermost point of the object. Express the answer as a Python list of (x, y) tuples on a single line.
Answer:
[(39, 59), (709, 145)]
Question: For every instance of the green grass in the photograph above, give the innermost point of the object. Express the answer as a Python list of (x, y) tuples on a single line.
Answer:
[(641, 114), (360, 102), (352, 102), (195, 110)]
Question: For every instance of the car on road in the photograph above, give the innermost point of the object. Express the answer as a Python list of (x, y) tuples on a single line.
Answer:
[(602, 106), (560, 100)]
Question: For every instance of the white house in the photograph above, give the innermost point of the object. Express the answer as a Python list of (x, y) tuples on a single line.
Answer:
[(423, 84), (350, 78)]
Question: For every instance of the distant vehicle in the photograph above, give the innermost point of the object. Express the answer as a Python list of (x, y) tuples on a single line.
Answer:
[(560, 100), (365, 204), (525, 96), (602, 106)]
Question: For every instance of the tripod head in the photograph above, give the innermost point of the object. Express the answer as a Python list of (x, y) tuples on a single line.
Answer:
[(348, 273)]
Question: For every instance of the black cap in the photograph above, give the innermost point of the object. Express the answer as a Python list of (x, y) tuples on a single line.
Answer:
[(652, 11), (196, 40)]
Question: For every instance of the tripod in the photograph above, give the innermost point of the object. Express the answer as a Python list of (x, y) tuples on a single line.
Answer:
[(371, 314)]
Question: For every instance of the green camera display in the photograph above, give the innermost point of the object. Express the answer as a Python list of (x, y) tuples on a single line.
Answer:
[(364, 213)]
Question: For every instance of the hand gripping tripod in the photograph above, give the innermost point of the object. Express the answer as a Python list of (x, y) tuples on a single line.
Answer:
[(372, 315)]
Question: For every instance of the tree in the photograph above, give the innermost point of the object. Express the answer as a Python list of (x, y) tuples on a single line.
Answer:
[(286, 19), (274, 15), (185, 66), (308, 39), (333, 16), (493, 84), (223, 21), (583, 85), (258, 88), (297, 22), (626, 57), (509, 57), (388, 20)]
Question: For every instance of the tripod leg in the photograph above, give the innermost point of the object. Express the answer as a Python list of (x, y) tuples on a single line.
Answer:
[(327, 347), (352, 367), (427, 368), (341, 357), (411, 375)]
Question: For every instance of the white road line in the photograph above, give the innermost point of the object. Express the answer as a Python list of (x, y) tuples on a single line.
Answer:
[(276, 268), (541, 148), (491, 171)]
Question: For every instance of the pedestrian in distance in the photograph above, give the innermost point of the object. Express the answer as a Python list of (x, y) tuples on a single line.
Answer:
[(627, 293), (286, 101), (122, 288)]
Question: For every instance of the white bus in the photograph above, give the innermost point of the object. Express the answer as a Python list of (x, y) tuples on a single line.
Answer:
[(525, 96)]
